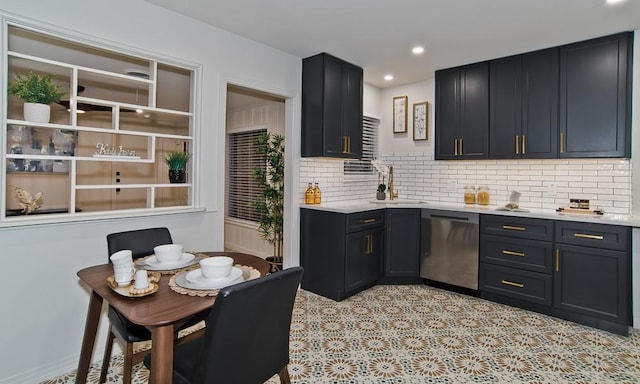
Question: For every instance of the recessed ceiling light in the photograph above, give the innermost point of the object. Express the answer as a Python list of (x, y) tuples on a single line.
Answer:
[(417, 50), (610, 2), (388, 77)]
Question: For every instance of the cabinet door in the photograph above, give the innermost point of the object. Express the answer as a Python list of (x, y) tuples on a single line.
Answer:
[(592, 282), (362, 259), (595, 95), (506, 107), (333, 106), (447, 113), (352, 110), (539, 135), (474, 111), (402, 256)]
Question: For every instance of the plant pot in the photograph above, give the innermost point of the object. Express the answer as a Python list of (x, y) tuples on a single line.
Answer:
[(275, 263), (381, 195), (37, 113), (177, 175)]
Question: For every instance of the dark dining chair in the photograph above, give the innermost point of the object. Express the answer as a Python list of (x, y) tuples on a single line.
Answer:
[(141, 243), (246, 340)]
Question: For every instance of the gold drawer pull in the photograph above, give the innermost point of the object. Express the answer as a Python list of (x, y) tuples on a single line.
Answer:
[(561, 143), (511, 227), (517, 145), (511, 283), (455, 147), (557, 260), (524, 144), (585, 236), (367, 221), (512, 253)]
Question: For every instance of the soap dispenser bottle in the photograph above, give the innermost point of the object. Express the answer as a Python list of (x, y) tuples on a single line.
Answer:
[(309, 195), (317, 194)]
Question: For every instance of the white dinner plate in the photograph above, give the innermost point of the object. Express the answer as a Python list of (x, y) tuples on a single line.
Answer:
[(196, 278), (183, 261)]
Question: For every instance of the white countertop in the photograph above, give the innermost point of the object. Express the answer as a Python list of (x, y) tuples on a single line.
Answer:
[(354, 206)]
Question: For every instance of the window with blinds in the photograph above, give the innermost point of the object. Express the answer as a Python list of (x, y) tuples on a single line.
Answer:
[(369, 149), (242, 189)]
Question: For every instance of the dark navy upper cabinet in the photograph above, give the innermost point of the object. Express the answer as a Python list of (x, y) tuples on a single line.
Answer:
[(523, 112), (595, 97), (331, 108), (462, 112)]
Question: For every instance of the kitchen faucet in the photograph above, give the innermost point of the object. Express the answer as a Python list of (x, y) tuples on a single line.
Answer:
[(392, 195)]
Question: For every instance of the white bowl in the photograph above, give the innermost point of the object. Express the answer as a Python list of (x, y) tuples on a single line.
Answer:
[(168, 253), (217, 267)]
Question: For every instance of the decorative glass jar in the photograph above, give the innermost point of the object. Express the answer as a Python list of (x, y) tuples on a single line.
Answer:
[(469, 194), (483, 195)]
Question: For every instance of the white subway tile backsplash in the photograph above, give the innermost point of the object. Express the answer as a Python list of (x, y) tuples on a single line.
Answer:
[(606, 182)]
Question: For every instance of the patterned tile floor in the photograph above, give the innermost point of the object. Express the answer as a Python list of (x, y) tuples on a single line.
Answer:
[(419, 334)]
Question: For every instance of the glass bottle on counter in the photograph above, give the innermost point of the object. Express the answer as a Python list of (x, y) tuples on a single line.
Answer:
[(309, 196), (317, 194), (469, 194), (483, 195)]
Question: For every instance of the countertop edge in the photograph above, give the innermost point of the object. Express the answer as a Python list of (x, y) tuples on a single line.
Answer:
[(356, 206)]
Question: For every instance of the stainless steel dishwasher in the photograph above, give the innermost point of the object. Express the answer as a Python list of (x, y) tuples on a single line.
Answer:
[(449, 248)]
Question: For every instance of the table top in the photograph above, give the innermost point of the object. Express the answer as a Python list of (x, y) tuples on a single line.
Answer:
[(164, 306)]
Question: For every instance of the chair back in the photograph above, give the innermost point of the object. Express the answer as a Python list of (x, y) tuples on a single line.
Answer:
[(141, 241), (247, 334)]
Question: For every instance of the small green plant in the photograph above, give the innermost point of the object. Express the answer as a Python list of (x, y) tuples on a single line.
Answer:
[(177, 160), (32, 87), (382, 187)]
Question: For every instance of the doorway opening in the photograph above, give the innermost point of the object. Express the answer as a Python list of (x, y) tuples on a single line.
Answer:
[(250, 113)]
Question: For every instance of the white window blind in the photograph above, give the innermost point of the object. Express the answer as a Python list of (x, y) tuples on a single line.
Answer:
[(242, 189), (369, 148)]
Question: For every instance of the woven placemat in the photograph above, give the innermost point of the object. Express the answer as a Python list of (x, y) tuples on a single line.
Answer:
[(248, 273)]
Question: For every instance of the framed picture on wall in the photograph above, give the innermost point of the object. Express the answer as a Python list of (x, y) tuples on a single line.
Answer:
[(421, 121), (400, 114)]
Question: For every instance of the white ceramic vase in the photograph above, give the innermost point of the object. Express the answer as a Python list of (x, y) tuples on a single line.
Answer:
[(37, 113)]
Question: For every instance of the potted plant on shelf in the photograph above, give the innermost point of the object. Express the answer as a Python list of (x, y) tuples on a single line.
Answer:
[(177, 162), (37, 91), (270, 202)]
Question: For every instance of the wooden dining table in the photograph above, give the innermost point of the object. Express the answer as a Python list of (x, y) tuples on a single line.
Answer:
[(161, 312)]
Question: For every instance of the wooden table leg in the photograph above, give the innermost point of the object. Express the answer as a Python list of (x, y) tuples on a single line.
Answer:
[(161, 355), (89, 338)]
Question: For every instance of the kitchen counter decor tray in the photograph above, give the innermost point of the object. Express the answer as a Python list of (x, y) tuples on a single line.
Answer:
[(580, 211), (129, 290)]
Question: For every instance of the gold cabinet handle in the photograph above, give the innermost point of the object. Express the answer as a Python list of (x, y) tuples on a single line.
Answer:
[(460, 146), (586, 236), (367, 221), (512, 253), (513, 228), (517, 145), (455, 147), (561, 142), (511, 283), (346, 144), (369, 245), (524, 144), (557, 259)]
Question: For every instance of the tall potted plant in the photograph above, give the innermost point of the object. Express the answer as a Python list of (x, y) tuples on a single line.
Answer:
[(270, 203), (177, 162), (37, 91)]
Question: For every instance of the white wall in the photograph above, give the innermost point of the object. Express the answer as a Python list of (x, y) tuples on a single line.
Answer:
[(43, 319)]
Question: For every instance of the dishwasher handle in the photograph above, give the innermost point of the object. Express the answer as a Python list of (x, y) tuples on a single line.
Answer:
[(464, 217)]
